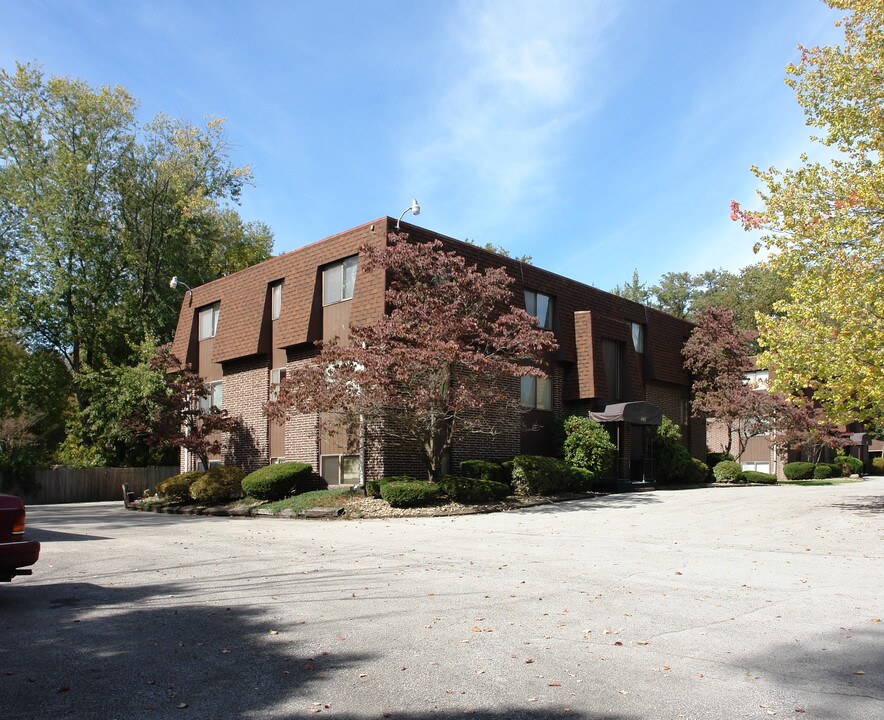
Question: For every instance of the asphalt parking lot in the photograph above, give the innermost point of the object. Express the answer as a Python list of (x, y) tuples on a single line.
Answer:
[(713, 603)]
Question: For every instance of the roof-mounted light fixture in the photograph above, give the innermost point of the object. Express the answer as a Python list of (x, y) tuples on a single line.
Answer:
[(175, 282), (414, 208)]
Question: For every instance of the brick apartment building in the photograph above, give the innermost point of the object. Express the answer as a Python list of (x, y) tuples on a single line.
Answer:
[(246, 331)]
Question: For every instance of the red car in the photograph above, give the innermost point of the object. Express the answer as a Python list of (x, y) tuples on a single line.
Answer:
[(15, 552)]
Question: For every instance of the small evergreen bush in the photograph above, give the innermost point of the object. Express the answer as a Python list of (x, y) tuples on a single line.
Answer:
[(798, 470), (540, 475), (373, 487), (672, 458), (418, 493), (696, 472), (728, 471), (481, 469), (849, 464), (472, 490), (177, 487), (822, 471), (760, 478), (878, 465), (713, 458), (582, 480), (218, 485), (276, 482), (587, 445)]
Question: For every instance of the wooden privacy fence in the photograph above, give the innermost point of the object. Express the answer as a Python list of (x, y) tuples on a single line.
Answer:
[(71, 485)]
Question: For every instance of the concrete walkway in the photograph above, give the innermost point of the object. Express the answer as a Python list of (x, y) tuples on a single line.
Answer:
[(713, 603)]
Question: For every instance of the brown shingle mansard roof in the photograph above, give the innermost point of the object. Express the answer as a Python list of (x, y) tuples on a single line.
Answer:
[(243, 324)]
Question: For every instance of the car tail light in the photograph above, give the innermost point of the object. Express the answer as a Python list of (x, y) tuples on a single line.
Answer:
[(18, 523)]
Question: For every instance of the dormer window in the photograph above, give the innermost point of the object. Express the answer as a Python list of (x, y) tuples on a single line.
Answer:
[(209, 321), (539, 306), (338, 280), (275, 300)]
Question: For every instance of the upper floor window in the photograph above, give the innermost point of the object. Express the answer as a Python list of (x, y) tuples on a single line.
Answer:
[(612, 357), (540, 306), (536, 392), (638, 337), (338, 280), (275, 300), (277, 376), (757, 379), (214, 400), (209, 321)]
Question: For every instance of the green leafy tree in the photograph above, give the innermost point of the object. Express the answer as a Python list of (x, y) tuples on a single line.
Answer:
[(824, 225), (96, 214), (634, 290), (587, 445), (674, 293)]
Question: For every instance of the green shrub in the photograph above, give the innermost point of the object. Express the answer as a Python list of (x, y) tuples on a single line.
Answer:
[(587, 445), (849, 464), (540, 475), (760, 478), (798, 470), (878, 465), (177, 487), (506, 476), (472, 490), (822, 471), (696, 472), (373, 487), (418, 493), (672, 458), (713, 458), (481, 469), (581, 480), (276, 482), (218, 485), (728, 471)]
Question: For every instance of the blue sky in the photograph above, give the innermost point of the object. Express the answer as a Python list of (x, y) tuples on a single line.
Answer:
[(597, 137)]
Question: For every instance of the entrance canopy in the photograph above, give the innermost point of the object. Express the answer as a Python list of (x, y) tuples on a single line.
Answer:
[(636, 413)]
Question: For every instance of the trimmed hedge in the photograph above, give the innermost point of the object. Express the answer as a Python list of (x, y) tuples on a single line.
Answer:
[(822, 471), (481, 469), (798, 470), (760, 478), (373, 487), (218, 485), (728, 471), (472, 490), (177, 487), (878, 465), (713, 458), (276, 482), (418, 493), (696, 472), (540, 475)]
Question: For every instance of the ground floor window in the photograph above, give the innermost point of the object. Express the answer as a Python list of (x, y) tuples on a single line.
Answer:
[(340, 469), (277, 460), (757, 466)]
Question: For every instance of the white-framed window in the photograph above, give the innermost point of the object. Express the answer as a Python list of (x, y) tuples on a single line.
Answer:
[(277, 460), (536, 392), (539, 306), (338, 280), (209, 321), (275, 300), (214, 399), (757, 379), (638, 337), (757, 466), (340, 469), (277, 375)]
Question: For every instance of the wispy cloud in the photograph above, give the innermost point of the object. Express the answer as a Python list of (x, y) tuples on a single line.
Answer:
[(512, 80)]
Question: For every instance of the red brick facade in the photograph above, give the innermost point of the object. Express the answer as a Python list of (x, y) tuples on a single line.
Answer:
[(585, 319)]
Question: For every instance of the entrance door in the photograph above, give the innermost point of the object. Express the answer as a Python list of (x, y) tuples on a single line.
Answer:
[(638, 441)]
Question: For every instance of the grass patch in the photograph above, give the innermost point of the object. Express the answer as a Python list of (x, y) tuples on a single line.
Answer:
[(313, 499), (825, 481)]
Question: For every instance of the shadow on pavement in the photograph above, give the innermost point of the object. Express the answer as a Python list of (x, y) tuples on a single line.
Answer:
[(863, 505), (80, 650), (618, 500)]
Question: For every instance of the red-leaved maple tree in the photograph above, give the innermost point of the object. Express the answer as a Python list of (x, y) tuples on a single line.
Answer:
[(172, 413), (432, 367)]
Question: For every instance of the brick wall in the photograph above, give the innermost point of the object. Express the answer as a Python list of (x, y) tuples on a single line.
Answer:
[(246, 387)]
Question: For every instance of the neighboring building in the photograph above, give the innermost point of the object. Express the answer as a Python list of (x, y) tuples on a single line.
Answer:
[(761, 454), (245, 332)]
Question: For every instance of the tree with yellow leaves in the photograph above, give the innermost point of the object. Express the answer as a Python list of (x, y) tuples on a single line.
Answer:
[(823, 226)]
